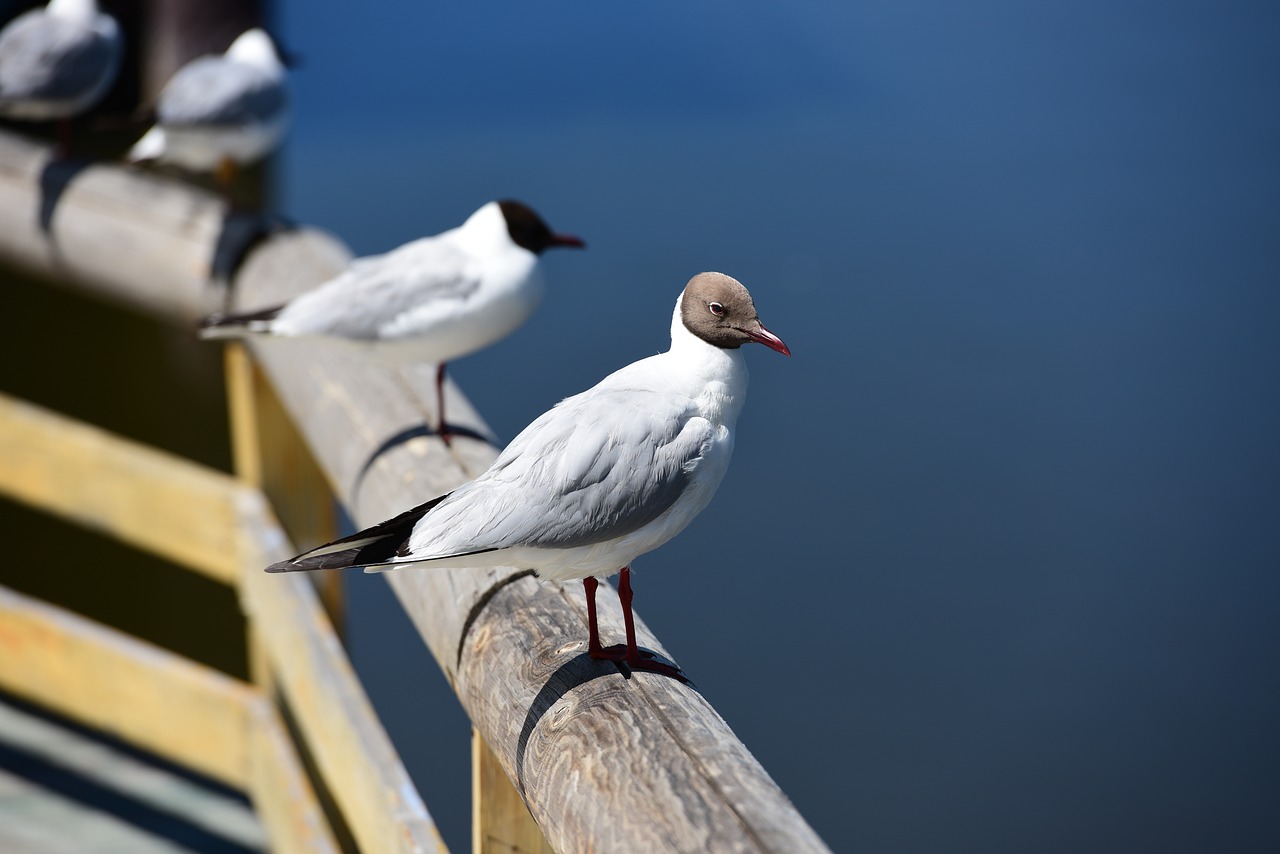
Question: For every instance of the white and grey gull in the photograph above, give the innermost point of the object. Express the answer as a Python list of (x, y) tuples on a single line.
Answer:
[(58, 61), (603, 477), (219, 112), (431, 300)]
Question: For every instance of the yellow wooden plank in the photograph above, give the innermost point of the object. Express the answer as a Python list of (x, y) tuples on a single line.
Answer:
[(346, 740), (165, 704), (35, 818), (151, 499), (270, 455), (242, 405), (162, 702), (500, 822), (280, 790), (292, 642)]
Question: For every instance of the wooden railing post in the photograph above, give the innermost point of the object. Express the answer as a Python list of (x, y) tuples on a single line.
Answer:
[(500, 821), (268, 453)]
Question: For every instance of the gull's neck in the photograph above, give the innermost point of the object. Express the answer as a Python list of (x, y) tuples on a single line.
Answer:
[(720, 374), (254, 47), (73, 10), (485, 233)]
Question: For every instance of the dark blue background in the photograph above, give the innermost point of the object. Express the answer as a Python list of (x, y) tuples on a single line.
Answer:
[(995, 566)]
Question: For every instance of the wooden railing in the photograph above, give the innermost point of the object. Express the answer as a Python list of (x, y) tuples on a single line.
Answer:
[(213, 524), (603, 761)]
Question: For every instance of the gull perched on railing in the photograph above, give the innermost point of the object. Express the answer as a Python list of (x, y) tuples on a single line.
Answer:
[(431, 300), (220, 112), (602, 478), (57, 62)]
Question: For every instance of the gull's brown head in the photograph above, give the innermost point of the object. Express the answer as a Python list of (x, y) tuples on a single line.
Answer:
[(719, 310)]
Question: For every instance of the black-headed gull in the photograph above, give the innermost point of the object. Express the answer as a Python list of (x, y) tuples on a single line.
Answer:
[(217, 112), (602, 478), (58, 61), (431, 300)]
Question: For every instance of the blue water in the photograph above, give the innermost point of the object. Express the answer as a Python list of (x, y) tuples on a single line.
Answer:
[(995, 567)]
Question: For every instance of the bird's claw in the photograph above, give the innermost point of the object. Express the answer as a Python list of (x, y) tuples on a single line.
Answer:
[(639, 659)]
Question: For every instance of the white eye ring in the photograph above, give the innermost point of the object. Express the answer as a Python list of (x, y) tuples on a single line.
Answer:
[(716, 308)]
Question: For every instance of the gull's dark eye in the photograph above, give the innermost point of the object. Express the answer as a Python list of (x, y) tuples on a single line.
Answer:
[(716, 308)]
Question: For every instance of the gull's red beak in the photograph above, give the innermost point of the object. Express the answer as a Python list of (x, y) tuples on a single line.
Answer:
[(763, 336), (568, 241)]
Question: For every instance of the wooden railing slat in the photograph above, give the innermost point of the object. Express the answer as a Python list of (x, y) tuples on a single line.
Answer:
[(280, 790), (109, 680), (354, 754), (190, 513), (163, 703), (148, 498)]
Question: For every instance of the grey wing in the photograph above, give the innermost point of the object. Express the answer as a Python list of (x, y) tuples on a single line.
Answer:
[(213, 91), (369, 299), (45, 58), (598, 466)]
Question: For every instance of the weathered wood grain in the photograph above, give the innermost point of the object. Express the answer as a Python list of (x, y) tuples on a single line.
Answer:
[(606, 761)]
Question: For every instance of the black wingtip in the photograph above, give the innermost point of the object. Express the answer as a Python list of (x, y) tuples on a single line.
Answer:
[(332, 561), (376, 546), (223, 323), (213, 321)]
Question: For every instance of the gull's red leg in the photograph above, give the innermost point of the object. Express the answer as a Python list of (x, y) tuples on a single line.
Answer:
[(629, 653), (443, 430), (64, 140), (590, 583), (625, 596)]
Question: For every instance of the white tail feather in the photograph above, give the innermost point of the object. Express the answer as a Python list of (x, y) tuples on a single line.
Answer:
[(150, 147), (235, 330)]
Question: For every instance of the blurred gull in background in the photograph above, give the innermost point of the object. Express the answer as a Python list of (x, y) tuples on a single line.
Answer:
[(57, 62), (431, 300), (221, 112)]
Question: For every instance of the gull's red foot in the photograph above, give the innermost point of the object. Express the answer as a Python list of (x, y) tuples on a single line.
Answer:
[(643, 660), (628, 653)]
